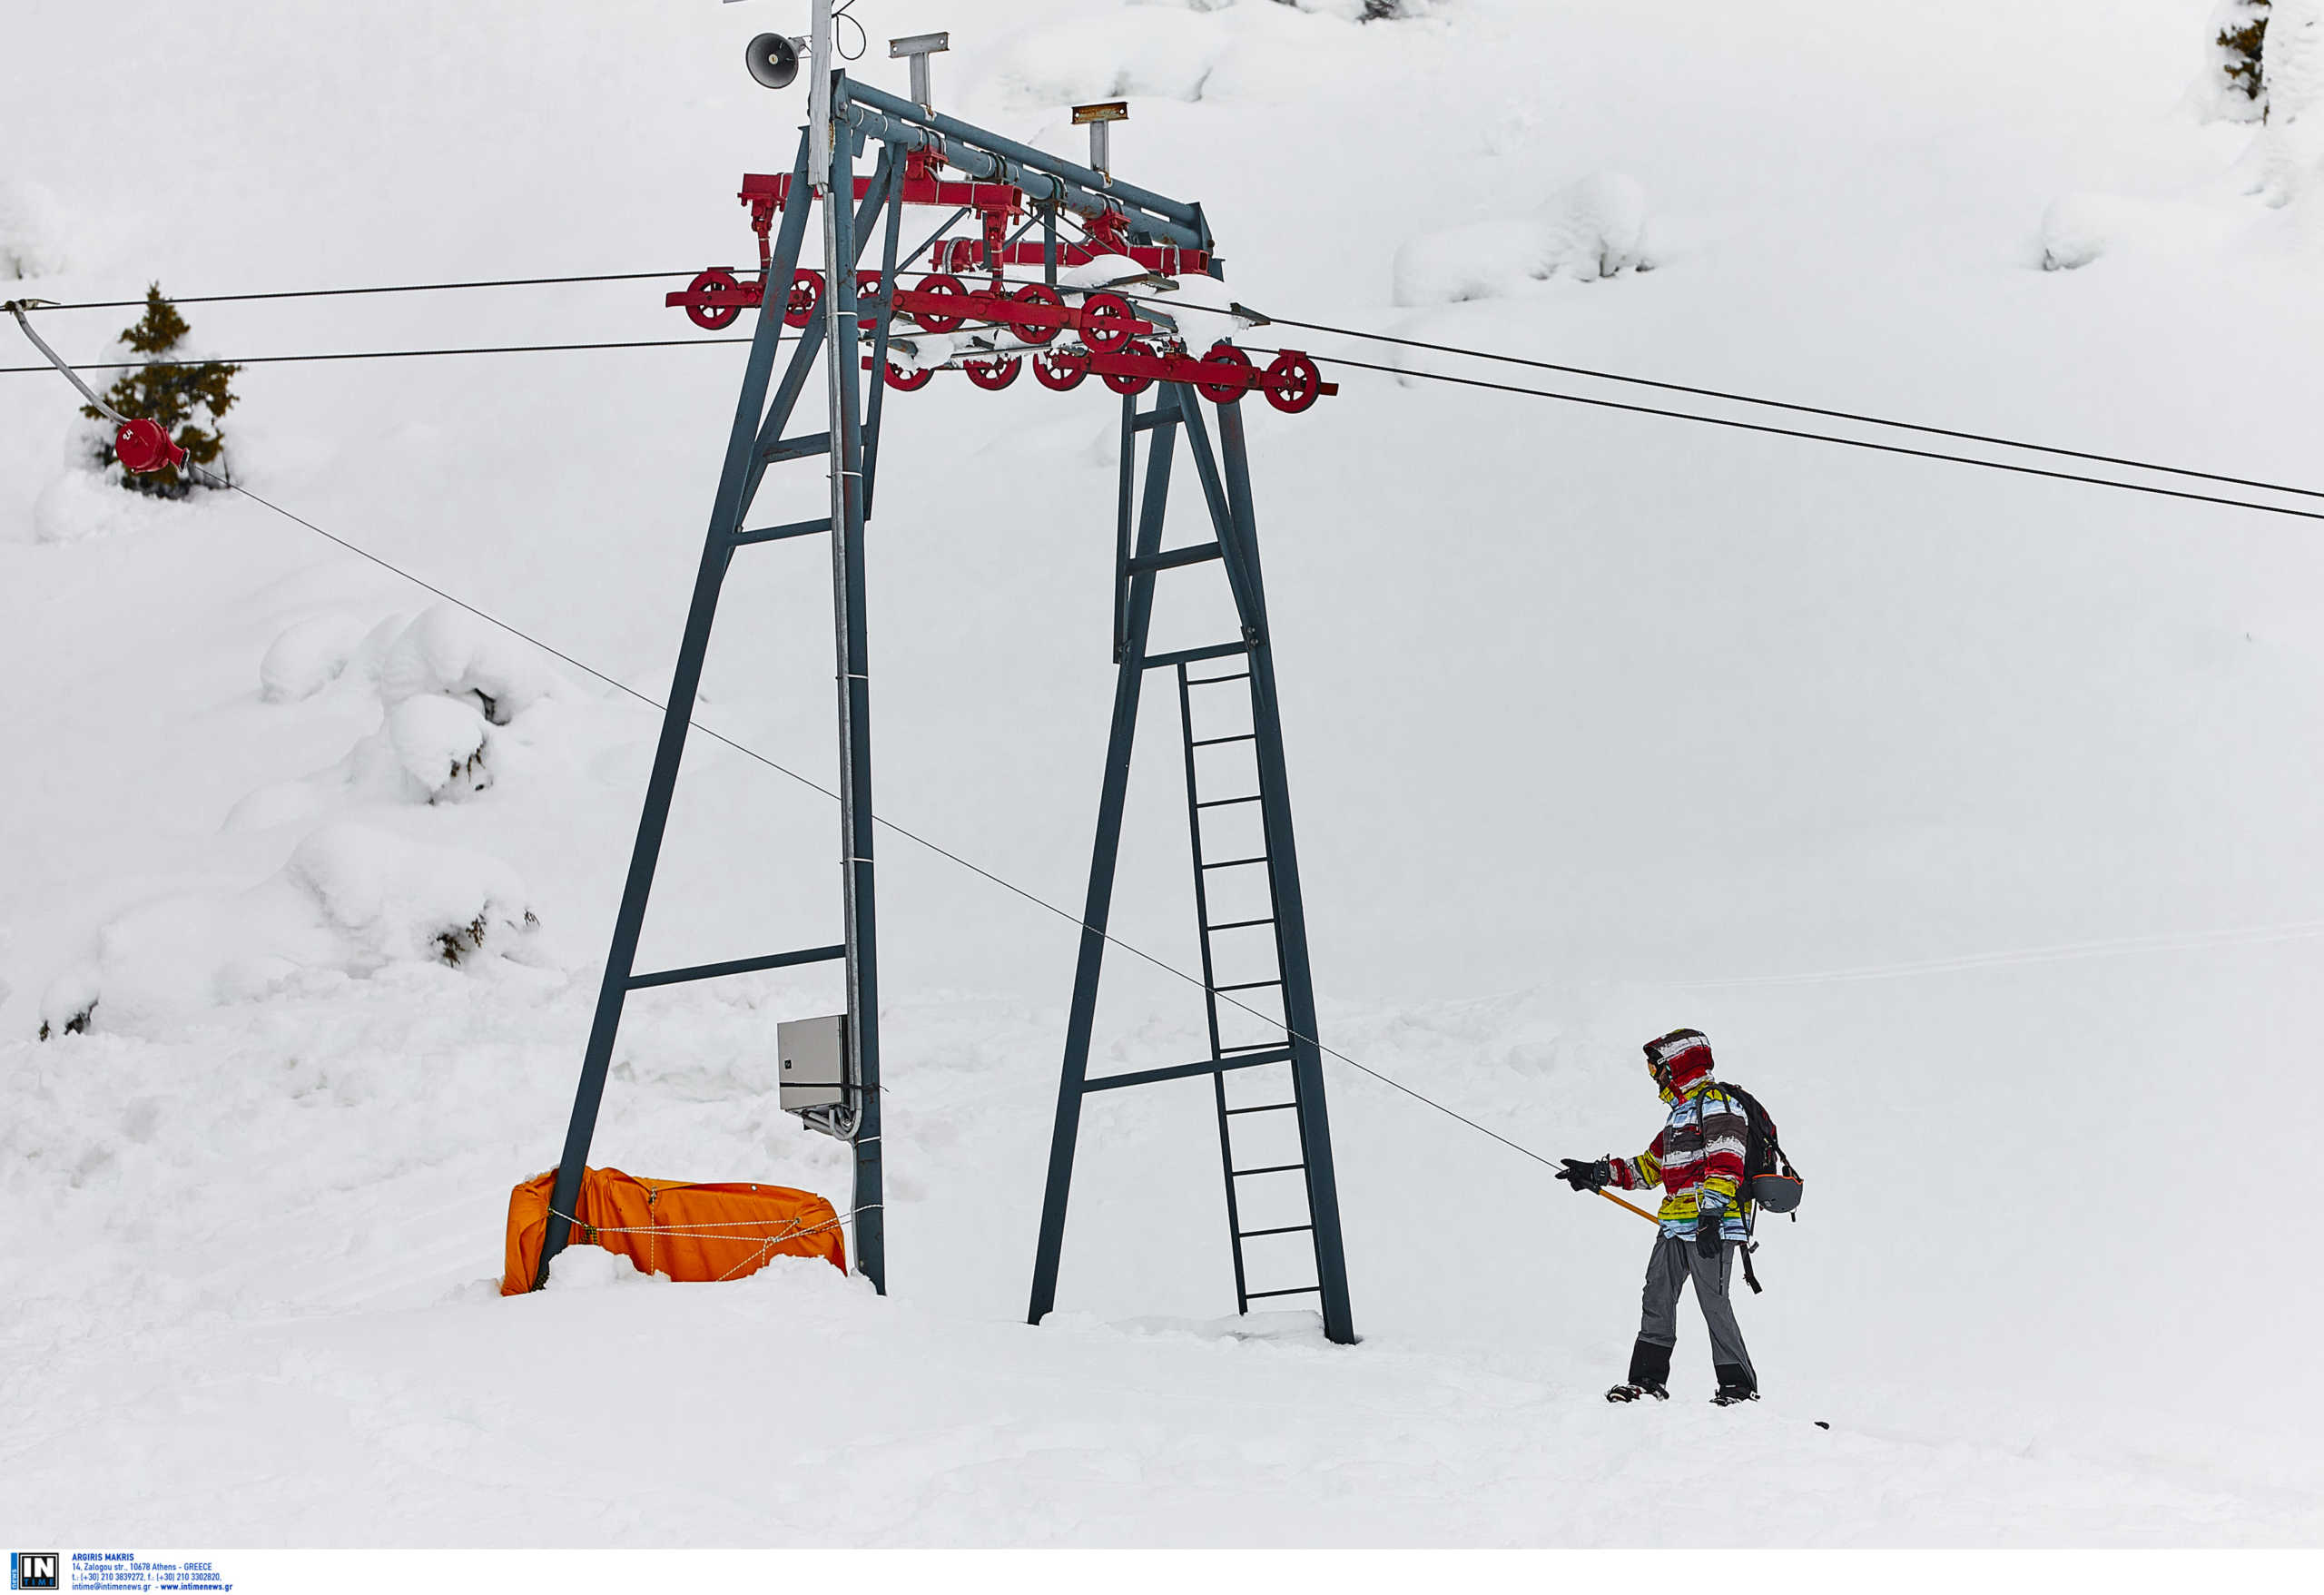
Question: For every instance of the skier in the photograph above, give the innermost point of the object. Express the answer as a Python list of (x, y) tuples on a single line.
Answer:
[(1697, 1159)]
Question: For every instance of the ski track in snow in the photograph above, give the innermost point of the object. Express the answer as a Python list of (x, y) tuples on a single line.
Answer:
[(1615, 723)]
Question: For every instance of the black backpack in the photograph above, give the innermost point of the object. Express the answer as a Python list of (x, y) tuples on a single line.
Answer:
[(1768, 1174)]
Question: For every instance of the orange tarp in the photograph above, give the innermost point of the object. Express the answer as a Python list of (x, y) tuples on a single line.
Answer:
[(689, 1232)]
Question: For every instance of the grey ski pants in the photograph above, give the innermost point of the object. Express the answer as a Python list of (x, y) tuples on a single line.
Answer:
[(1672, 1263)]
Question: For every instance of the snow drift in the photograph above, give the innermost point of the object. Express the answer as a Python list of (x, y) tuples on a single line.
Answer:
[(1594, 229)]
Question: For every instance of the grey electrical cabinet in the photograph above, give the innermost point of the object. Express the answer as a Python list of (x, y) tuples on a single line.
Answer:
[(813, 1055)]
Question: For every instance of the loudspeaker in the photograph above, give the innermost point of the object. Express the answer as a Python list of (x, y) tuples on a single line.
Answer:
[(774, 60)]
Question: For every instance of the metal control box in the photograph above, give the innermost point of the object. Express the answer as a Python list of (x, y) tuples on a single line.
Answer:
[(813, 1054)]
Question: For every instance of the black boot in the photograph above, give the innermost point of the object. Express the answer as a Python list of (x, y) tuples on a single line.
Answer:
[(1649, 1373), (1734, 1384)]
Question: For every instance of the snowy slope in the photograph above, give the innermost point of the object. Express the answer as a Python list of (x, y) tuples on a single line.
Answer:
[(1599, 724)]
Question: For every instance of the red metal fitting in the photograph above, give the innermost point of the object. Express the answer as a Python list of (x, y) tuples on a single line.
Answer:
[(144, 446)]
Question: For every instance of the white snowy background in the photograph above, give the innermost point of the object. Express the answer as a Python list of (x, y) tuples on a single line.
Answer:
[(1972, 815)]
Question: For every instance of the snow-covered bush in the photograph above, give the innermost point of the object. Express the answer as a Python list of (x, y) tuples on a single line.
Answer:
[(308, 657), (450, 652), (396, 901), (30, 232), (1594, 228), (441, 743), (2291, 144), (2234, 86), (1357, 10), (79, 505), (351, 900), (2079, 228), (445, 681)]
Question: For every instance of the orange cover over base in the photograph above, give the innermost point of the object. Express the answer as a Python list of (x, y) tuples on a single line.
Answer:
[(689, 1232)]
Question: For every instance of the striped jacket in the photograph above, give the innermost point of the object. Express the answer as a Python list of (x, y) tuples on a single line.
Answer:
[(1699, 1149)]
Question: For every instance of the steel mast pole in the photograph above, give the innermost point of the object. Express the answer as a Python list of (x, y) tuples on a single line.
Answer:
[(832, 174)]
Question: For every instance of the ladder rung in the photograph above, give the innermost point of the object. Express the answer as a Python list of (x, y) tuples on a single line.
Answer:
[(1304, 1290), (1257, 1047), (1237, 925), (1266, 1053), (1270, 1169), (1231, 863), (1244, 1235), (1246, 986), (1212, 742), (1214, 680), (1226, 802), (1184, 656), (1265, 1107)]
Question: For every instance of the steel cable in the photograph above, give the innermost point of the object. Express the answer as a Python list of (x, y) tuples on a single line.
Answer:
[(907, 834)]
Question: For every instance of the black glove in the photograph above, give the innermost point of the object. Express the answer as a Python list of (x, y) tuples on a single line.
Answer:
[(1586, 1177), (1709, 1220)]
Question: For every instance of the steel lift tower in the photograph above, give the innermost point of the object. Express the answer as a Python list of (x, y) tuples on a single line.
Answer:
[(1085, 305)]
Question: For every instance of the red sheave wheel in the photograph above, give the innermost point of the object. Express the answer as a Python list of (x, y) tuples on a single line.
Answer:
[(1037, 293), (1059, 371), (909, 381), (1105, 321), (1291, 382), (806, 293), (950, 287), (1121, 384), (717, 284), (145, 446), (993, 375), (1234, 366)]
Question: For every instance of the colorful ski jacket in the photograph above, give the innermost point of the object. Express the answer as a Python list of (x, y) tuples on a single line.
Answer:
[(1699, 1149)]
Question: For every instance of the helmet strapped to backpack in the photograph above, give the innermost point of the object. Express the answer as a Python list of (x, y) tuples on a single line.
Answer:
[(1767, 1173)]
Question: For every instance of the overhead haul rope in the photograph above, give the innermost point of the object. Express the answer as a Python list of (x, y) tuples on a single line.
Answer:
[(392, 354), (1010, 886), (221, 299), (1644, 409)]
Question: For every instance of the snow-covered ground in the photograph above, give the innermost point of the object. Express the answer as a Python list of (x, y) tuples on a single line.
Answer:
[(1970, 814)]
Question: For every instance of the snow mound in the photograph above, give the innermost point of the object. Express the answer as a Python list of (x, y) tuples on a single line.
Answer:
[(2291, 144), (440, 743), (31, 231), (352, 901), (80, 503), (2214, 94), (450, 652), (1594, 228), (2080, 228), (309, 657), (587, 1267), (392, 900), (1166, 52), (443, 682)]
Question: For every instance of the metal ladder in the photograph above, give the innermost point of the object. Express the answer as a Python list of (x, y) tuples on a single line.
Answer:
[(1245, 1157)]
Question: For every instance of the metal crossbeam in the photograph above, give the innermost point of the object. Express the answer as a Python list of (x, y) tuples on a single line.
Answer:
[(741, 965)]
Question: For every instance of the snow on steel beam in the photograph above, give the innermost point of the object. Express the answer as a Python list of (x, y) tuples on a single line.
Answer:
[(1081, 177)]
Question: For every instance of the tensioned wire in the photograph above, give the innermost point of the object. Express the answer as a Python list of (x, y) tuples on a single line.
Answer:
[(1446, 349), (880, 820), (1457, 350)]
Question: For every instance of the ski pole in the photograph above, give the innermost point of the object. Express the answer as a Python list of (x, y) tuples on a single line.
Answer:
[(1642, 1212)]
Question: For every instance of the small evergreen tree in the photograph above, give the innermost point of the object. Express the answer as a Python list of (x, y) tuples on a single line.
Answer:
[(177, 396), (2241, 42)]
